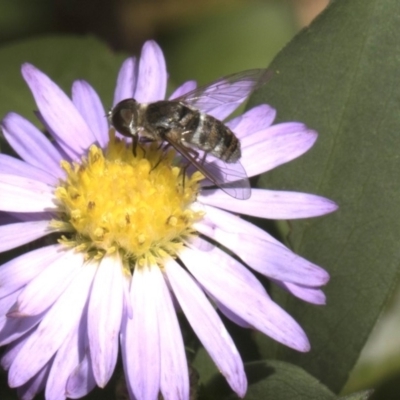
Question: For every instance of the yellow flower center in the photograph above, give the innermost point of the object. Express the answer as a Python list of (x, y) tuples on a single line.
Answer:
[(136, 205)]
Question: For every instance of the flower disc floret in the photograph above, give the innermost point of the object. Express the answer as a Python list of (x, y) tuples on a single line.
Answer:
[(138, 205)]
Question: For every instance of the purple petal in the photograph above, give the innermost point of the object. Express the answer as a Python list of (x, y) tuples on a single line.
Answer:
[(224, 111), (174, 379), (254, 120), (270, 259), (232, 316), (104, 318), (6, 303), (65, 361), (309, 294), (88, 103), (183, 89), (8, 218), (126, 81), (30, 217), (18, 272), (235, 223), (14, 235), (56, 278), (152, 78), (14, 328), (140, 340), (21, 194), (273, 204), (233, 285), (13, 166), (12, 350), (128, 311), (30, 144), (215, 218), (59, 147), (62, 317), (35, 385), (64, 120), (81, 381), (275, 146), (207, 326)]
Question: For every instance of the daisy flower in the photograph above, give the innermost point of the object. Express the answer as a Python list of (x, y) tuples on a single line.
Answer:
[(136, 244)]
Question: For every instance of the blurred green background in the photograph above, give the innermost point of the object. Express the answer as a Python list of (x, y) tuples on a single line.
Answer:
[(202, 40)]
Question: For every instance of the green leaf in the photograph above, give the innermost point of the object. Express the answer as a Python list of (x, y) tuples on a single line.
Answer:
[(341, 77), (22, 18), (275, 380), (240, 36), (364, 395), (388, 388)]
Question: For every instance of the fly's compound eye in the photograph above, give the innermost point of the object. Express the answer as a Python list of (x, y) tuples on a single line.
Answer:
[(124, 116)]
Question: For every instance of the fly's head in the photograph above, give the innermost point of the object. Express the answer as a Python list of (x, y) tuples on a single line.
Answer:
[(124, 117)]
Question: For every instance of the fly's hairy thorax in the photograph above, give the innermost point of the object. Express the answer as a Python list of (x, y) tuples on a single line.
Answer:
[(178, 121)]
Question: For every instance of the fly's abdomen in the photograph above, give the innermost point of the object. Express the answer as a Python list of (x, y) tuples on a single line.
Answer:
[(213, 136), (189, 125)]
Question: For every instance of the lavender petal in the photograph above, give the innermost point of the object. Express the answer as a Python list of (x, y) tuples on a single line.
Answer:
[(13, 217), (126, 81), (224, 111), (57, 276), (128, 311), (140, 340), (13, 166), (14, 328), (12, 350), (231, 315), (254, 120), (19, 271), (15, 235), (88, 103), (67, 358), (186, 87), (31, 144), (64, 120), (274, 204), (81, 381), (269, 259), (15, 190), (8, 218), (277, 145), (104, 318), (6, 304), (207, 326), (308, 294), (174, 379), (232, 284), (35, 385), (152, 78), (62, 317)]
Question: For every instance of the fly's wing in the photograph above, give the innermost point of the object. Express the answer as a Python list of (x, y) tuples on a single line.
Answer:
[(231, 178), (231, 89)]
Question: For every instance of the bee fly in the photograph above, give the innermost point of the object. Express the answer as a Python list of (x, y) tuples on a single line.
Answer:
[(186, 124)]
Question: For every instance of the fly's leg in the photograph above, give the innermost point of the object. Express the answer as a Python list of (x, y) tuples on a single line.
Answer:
[(165, 145), (135, 141), (188, 164)]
